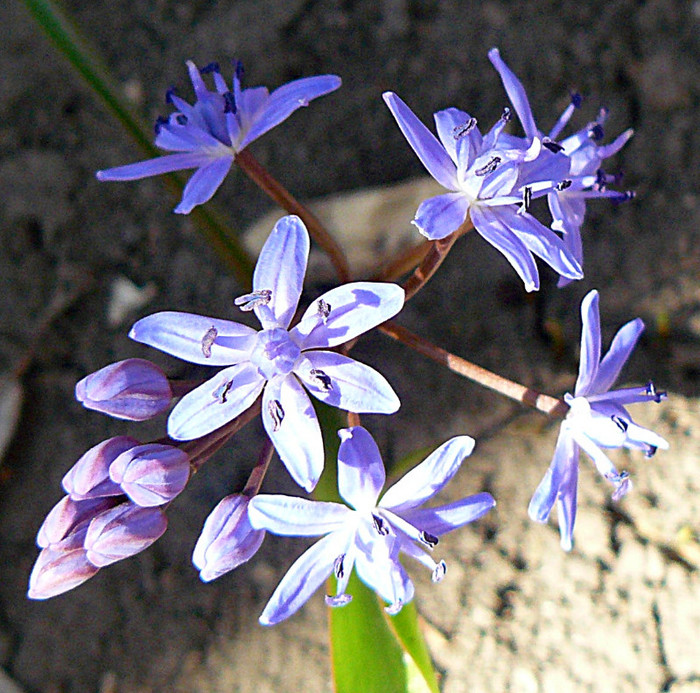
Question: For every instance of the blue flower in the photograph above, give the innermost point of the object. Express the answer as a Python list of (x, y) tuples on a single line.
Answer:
[(585, 178), (277, 361), (208, 135), (368, 535), (490, 181), (597, 420)]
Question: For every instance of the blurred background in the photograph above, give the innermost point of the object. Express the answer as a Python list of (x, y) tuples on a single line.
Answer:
[(81, 260)]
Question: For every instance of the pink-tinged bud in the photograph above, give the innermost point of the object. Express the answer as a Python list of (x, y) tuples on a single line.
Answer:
[(89, 476), (134, 389), (67, 515), (151, 474), (121, 532), (227, 539), (61, 567)]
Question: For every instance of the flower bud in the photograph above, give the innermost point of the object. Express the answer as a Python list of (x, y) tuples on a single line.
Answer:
[(68, 514), (151, 474), (61, 567), (122, 531), (227, 539), (89, 476), (134, 389)]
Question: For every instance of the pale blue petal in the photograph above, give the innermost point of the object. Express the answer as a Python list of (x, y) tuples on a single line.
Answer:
[(516, 94), (448, 124), (353, 386), (602, 462), (628, 395), (429, 477), (361, 474), (154, 167), (354, 309), (384, 574), (297, 436), (566, 508), (438, 217), (213, 404), (188, 337), (565, 456), (287, 99), (489, 223), (589, 359), (296, 517), (204, 183), (620, 350), (445, 518), (305, 576), (428, 148), (281, 268), (500, 183)]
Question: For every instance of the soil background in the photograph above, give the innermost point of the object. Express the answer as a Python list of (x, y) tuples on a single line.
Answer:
[(621, 612)]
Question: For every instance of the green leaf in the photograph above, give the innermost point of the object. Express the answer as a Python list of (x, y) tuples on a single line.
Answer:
[(65, 36)]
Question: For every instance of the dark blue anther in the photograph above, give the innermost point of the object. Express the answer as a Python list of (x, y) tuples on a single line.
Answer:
[(208, 69), (576, 99), (461, 130), (490, 167), (229, 102), (181, 119), (527, 198), (656, 395), (563, 184), (506, 115), (596, 132), (620, 422), (428, 539), (169, 94), (160, 121), (552, 146), (624, 196), (650, 451), (238, 69), (601, 179)]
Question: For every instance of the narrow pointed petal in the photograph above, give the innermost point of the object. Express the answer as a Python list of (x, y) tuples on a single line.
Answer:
[(516, 94), (189, 337), (429, 477), (290, 421), (628, 395), (602, 462), (361, 474), (347, 384), (213, 404), (454, 126), (305, 576), (382, 571), (643, 438), (154, 167), (490, 225), (620, 350), (68, 514), (445, 518), (438, 217), (566, 508), (590, 345), (297, 517), (354, 309), (204, 183), (287, 99), (427, 147), (281, 268), (565, 456)]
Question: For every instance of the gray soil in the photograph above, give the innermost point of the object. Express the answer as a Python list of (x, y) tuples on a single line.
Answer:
[(622, 611)]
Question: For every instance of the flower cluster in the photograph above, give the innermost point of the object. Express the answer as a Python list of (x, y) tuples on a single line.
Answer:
[(117, 493)]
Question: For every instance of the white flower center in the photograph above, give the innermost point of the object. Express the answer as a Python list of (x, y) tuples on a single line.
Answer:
[(274, 353)]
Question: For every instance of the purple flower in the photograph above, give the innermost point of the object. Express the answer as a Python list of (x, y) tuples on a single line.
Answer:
[(584, 178), (597, 420), (134, 389), (276, 360), (208, 135), (227, 539), (491, 182), (367, 535)]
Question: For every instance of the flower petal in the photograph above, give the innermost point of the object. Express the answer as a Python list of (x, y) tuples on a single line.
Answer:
[(280, 269), (457, 130), (427, 147), (304, 577), (425, 480), (154, 167), (290, 421), (590, 345), (213, 404), (620, 350), (361, 474), (187, 337), (489, 223), (383, 572), (204, 183), (438, 217), (445, 518), (353, 386), (287, 99), (353, 309), (566, 508), (296, 517)]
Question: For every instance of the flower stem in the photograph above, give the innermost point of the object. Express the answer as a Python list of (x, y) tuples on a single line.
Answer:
[(258, 474), (277, 192), (551, 406), (403, 263)]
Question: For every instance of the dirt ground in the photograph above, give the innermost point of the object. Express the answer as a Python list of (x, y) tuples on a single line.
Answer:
[(622, 611)]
